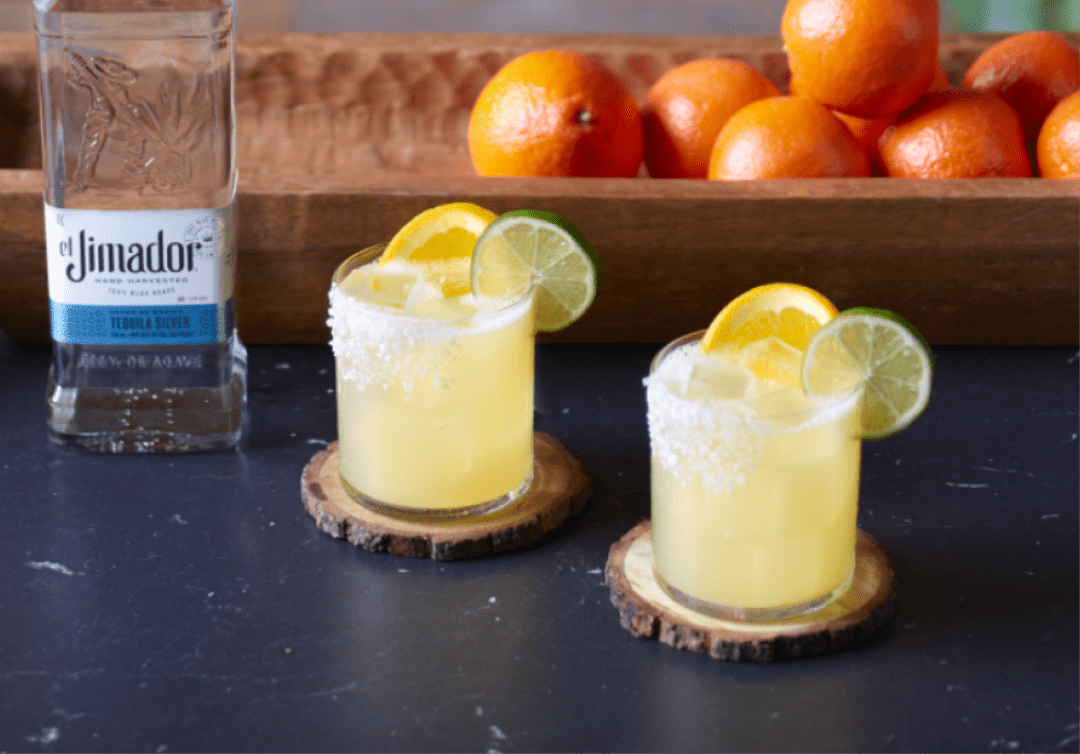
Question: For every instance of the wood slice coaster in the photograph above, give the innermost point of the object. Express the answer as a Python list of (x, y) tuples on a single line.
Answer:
[(645, 610), (558, 490)]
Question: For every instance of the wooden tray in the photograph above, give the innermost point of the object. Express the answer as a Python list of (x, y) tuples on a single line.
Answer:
[(342, 138)]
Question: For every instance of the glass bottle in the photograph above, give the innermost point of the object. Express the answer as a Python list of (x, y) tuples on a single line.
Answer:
[(138, 114)]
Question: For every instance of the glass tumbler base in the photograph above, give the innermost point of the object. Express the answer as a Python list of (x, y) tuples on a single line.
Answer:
[(436, 515), (754, 614)]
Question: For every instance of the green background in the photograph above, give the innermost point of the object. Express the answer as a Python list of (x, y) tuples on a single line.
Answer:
[(1010, 15)]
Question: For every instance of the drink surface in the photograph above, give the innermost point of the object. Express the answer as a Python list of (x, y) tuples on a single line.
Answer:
[(435, 389), (754, 485), (138, 114)]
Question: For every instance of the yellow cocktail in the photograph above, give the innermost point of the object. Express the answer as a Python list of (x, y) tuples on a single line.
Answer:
[(755, 485), (756, 426), (433, 339), (434, 389)]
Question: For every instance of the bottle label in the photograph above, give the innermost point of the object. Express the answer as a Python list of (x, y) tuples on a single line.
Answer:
[(139, 277)]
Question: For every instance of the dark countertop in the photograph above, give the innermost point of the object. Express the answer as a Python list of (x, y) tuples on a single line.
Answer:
[(189, 603)]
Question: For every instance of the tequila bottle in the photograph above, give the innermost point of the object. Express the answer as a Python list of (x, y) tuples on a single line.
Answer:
[(138, 113)]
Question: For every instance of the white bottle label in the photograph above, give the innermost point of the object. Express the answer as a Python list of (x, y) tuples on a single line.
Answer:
[(140, 277)]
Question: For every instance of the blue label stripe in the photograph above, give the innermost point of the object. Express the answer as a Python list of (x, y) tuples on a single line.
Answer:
[(83, 324)]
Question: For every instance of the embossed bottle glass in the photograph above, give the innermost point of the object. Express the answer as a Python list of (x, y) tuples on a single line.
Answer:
[(137, 104)]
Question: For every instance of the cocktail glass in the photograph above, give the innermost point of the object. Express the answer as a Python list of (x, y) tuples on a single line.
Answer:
[(434, 395), (755, 488)]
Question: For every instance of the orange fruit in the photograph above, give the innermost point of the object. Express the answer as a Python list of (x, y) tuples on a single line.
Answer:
[(1032, 71), (685, 109), (940, 80), (1058, 146), (868, 130), (785, 137), (956, 133), (864, 57), (790, 312), (555, 113)]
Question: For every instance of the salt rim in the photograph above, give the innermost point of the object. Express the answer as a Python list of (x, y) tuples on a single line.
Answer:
[(378, 345), (718, 439)]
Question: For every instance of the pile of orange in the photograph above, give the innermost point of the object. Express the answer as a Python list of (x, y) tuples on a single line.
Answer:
[(867, 96), (685, 109)]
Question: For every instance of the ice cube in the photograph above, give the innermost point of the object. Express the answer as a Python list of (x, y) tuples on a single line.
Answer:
[(446, 279), (451, 275), (774, 360), (422, 292), (770, 399), (712, 377), (386, 287), (437, 307), (452, 285)]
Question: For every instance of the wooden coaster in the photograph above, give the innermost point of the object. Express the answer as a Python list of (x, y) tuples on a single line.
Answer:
[(647, 611), (558, 490)]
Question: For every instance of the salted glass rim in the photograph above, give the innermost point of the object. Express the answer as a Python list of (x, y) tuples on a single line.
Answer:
[(827, 406), (371, 253)]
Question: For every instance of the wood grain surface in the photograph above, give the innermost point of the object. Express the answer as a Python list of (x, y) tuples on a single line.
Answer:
[(342, 138), (559, 489), (647, 611)]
